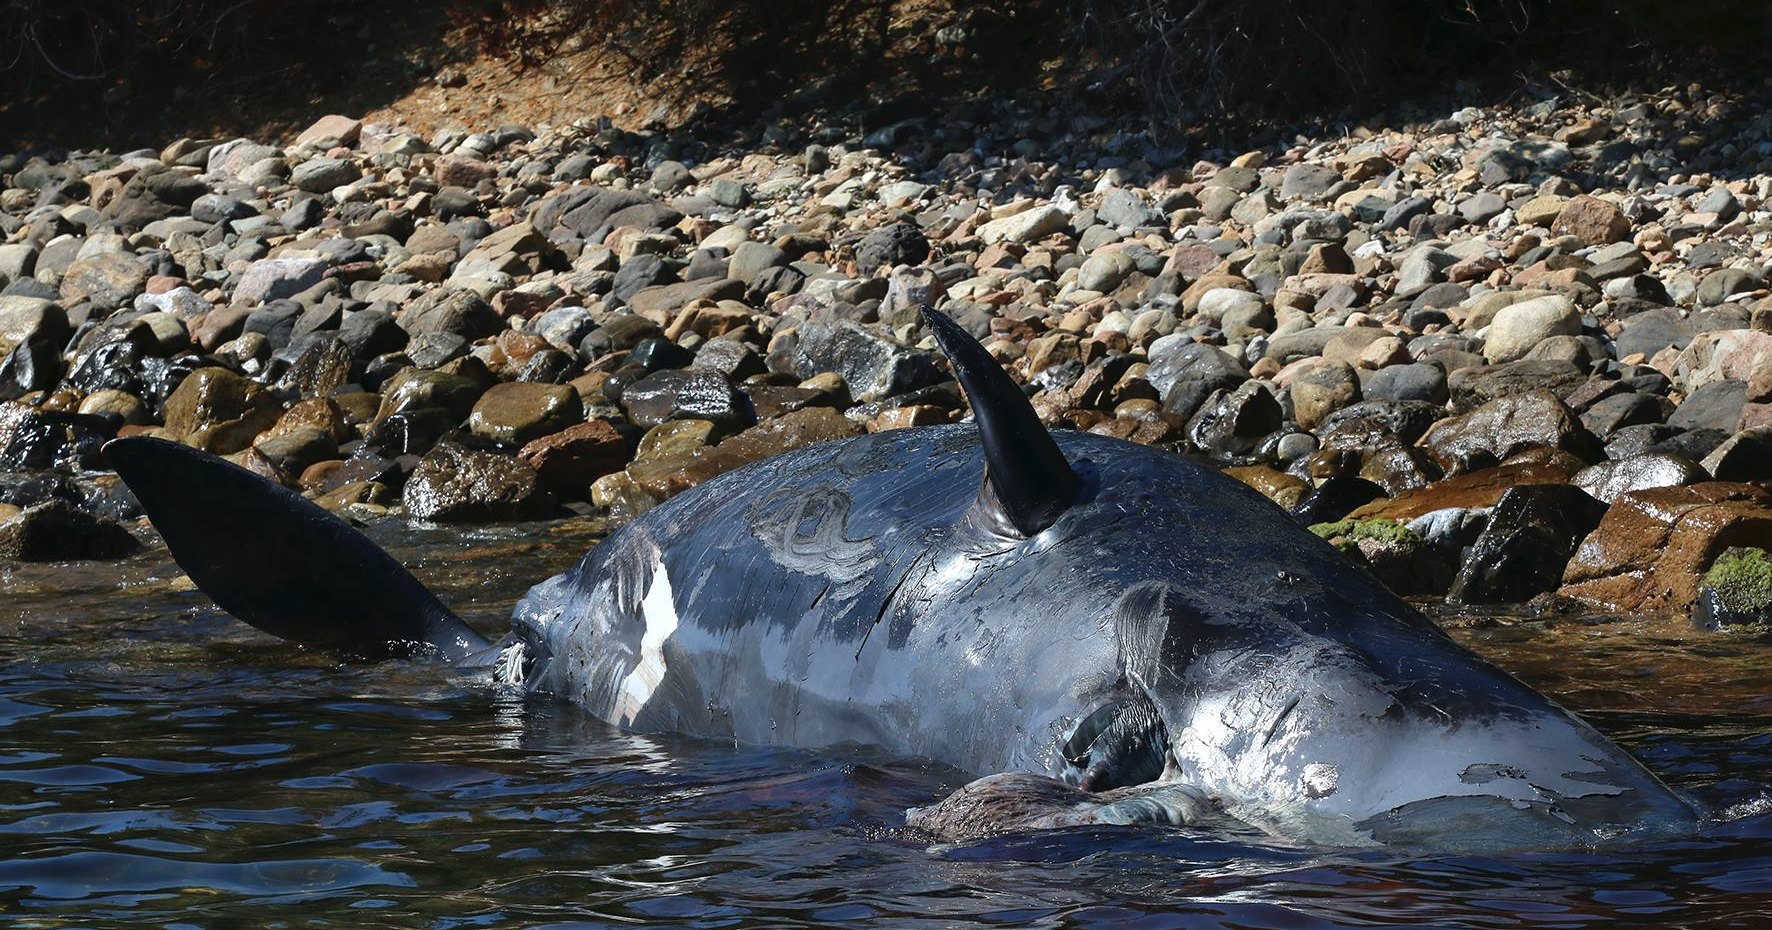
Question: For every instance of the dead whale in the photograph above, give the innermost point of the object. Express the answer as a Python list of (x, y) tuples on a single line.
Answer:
[(1106, 632)]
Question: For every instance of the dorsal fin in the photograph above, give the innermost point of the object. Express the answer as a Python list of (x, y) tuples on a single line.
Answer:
[(1027, 482)]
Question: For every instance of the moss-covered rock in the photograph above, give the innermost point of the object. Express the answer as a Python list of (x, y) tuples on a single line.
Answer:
[(1737, 590), (1397, 555), (1348, 534)]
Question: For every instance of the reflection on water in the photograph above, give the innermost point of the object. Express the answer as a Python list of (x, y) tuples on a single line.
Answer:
[(162, 764)]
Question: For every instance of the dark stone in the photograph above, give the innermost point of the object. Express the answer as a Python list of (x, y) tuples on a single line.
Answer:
[(1695, 444), (639, 273), (1417, 381), (1193, 361), (1610, 414), (57, 531), (1231, 425), (1334, 499), (276, 320), (410, 432), (686, 394), (1408, 420), (452, 310), (1653, 330), (369, 333), (1716, 405), (1532, 532), (890, 246), (1472, 387), (658, 352)]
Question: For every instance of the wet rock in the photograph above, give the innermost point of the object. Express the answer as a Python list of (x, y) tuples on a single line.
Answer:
[(517, 413), (1277, 486), (1395, 554), (1502, 428), (294, 449), (57, 531), (1608, 480), (1471, 491), (1231, 425), (873, 366), (416, 388), (1532, 532), (455, 484), (1474, 386), (1335, 498), (569, 461), (1649, 550), (218, 411), (686, 394), (783, 434), (1204, 366)]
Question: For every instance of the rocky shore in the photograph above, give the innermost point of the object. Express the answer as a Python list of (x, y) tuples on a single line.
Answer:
[(1499, 355)]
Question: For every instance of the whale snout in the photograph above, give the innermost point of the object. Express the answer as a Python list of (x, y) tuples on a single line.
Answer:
[(1322, 741)]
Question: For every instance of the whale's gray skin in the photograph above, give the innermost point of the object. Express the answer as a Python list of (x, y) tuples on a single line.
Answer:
[(841, 594), (1114, 618)]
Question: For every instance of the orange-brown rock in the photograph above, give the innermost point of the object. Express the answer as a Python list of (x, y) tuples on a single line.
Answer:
[(1592, 220), (218, 411), (1476, 489), (1653, 545), (907, 416), (568, 461), (1277, 486)]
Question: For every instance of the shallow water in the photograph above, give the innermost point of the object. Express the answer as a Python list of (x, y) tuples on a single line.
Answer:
[(162, 764)]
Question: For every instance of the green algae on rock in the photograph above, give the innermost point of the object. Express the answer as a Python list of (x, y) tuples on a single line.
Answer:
[(1737, 590)]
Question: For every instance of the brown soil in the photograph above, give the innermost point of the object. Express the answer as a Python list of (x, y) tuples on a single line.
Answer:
[(426, 70)]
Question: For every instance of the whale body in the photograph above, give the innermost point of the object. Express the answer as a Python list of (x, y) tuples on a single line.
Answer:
[(1104, 631)]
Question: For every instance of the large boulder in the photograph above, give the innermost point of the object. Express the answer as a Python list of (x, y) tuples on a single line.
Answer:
[(1648, 552), (1501, 428)]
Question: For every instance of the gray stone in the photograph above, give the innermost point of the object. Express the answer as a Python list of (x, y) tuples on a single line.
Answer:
[(278, 278), (1127, 210), (320, 175)]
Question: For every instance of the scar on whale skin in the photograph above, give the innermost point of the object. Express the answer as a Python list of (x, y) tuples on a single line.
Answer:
[(659, 614)]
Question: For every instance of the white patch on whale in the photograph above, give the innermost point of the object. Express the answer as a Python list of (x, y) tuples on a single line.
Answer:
[(658, 613)]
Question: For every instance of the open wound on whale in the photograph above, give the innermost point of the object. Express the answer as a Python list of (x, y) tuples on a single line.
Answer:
[(659, 614)]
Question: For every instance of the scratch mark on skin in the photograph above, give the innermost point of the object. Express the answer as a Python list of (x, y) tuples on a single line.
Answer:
[(885, 605), (1274, 730)]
